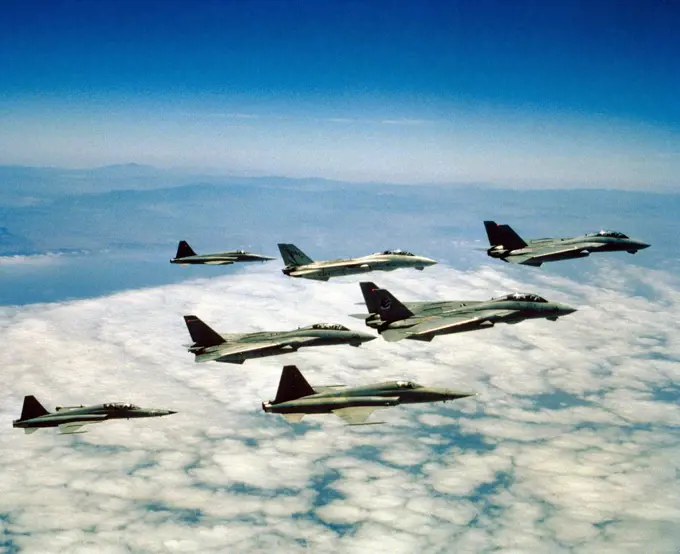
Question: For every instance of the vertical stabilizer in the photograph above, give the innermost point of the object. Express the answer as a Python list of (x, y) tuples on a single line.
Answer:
[(293, 256), (201, 334), (32, 408), (184, 250), (384, 303), (292, 385), (503, 235)]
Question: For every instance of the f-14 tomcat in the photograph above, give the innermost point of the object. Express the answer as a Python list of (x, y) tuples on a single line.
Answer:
[(186, 256), (510, 247), (296, 398), (70, 419), (298, 264), (425, 320), (237, 348)]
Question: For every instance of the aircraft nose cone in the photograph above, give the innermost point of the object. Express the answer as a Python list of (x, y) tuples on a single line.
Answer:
[(455, 394), (566, 310), (366, 337), (643, 245)]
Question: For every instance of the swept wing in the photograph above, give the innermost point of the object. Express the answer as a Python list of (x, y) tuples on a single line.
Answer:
[(232, 349), (453, 324)]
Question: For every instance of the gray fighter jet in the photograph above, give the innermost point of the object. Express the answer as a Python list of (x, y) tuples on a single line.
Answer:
[(70, 419), (424, 320), (237, 348), (186, 255), (297, 398), (509, 246), (298, 264)]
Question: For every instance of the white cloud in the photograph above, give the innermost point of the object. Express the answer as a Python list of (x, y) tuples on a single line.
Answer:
[(566, 449)]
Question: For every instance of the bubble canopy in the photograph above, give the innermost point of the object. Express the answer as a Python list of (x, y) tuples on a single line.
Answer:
[(328, 326), (521, 297), (605, 233)]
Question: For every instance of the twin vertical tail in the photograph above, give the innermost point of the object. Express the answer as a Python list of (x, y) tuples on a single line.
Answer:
[(184, 250), (503, 235), (202, 335), (292, 385), (383, 303), (293, 256), (32, 408)]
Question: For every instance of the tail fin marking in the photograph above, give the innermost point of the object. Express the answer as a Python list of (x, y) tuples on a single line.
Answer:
[(293, 256), (202, 334), (184, 250), (384, 303), (503, 235)]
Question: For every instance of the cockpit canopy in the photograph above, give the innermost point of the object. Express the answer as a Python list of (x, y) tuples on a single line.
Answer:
[(240, 251), (397, 252), (329, 327), (407, 385), (120, 406), (521, 297), (605, 233)]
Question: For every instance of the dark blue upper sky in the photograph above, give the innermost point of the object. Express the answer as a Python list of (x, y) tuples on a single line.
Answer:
[(604, 56)]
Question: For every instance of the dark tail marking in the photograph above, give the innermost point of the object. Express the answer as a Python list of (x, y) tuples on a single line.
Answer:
[(184, 250), (293, 256), (382, 302), (201, 334), (32, 408), (292, 385), (503, 235)]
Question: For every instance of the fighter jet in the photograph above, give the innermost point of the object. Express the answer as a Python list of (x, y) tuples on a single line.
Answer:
[(186, 255), (424, 320), (296, 397), (70, 419), (298, 264), (237, 348), (509, 247)]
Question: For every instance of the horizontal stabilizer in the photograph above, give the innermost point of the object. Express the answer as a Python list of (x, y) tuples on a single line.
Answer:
[(355, 415), (29, 430), (293, 418)]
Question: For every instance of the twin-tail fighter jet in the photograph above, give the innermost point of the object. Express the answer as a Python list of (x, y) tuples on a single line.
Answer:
[(70, 419), (237, 348), (186, 256), (298, 264), (297, 398), (510, 247), (425, 320)]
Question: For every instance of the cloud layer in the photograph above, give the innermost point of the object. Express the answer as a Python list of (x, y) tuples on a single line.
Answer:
[(572, 445)]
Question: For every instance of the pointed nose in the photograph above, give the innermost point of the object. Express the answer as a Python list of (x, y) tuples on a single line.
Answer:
[(563, 309), (642, 245), (451, 394), (366, 337), (159, 413), (427, 261)]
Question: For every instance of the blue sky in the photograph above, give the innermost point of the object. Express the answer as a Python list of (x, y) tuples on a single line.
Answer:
[(348, 89)]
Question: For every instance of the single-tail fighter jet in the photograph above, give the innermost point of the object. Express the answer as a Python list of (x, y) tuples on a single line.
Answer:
[(510, 247), (70, 419), (237, 348), (186, 255), (424, 320), (298, 264), (297, 398)]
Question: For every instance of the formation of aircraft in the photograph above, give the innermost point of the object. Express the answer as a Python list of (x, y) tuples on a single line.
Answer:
[(508, 246), (393, 320), (186, 256), (70, 419), (296, 398), (298, 264), (423, 321), (237, 348)]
